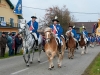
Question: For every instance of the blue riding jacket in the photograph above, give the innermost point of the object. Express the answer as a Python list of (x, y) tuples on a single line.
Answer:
[(35, 25), (59, 31), (74, 32), (85, 32)]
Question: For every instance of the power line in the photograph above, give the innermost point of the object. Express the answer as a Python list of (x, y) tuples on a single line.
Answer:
[(70, 12)]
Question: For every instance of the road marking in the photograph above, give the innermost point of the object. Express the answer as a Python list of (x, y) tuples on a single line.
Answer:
[(19, 71), (44, 62)]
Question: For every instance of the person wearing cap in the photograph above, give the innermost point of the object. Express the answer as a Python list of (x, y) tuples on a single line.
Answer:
[(58, 31), (33, 26), (3, 42), (72, 29), (86, 34)]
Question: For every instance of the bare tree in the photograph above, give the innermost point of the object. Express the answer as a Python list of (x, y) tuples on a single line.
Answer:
[(63, 16)]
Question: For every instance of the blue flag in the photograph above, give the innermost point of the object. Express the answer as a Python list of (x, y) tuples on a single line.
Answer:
[(18, 8)]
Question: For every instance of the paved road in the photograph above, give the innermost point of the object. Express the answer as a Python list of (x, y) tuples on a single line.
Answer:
[(16, 65)]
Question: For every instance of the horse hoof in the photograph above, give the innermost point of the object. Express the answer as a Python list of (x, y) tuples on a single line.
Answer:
[(52, 67), (27, 65), (38, 61), (71, 58), (49, 68), (31, 62), (59, 66)]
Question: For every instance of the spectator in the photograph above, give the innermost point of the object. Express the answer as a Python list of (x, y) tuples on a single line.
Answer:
[(3, 42), (17, 43), (9, 43), (13, 44), (20, 46)]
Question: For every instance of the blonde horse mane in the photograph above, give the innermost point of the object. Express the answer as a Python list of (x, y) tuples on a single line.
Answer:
[(48, 29)]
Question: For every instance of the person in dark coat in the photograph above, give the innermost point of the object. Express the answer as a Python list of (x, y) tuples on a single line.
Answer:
[(3, 42), (13, 45), (20, 46), (17, 43)]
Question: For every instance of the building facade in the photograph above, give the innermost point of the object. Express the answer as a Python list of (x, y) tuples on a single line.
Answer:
[(8, 19)]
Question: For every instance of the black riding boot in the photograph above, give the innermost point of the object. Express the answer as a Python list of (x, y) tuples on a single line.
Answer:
[(36, 44), (76, 45), (59, 48)]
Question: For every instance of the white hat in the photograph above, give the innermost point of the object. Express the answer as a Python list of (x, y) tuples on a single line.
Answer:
[(83, 27), (73, 26)]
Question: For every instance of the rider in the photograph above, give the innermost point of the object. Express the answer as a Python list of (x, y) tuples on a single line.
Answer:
[(33, 26), (86, 34), (58, 31), (72, 29)]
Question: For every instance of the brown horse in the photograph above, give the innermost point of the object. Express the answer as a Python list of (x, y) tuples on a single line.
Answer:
[(83, 44), (51, 48), (71, 44)]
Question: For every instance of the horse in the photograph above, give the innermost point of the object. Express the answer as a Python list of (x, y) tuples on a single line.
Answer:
[(29, 44), (83, 44), (51, 48), (71, 44)]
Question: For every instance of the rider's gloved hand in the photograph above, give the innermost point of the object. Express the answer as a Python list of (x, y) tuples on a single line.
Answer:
[(30, 31)]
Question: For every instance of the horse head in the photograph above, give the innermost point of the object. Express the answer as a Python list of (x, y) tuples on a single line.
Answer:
[(69, 34), (48, 34), (24, 28)]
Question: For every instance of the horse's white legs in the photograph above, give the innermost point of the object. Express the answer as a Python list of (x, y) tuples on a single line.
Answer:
[(28, 61), (32, 56), (24, 53), (83, 50)]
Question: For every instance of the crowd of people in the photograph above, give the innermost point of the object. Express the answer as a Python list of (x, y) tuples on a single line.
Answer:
[(12, 41), (94, 40)]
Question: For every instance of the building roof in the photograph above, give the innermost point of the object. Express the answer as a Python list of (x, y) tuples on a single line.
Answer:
[(12, 7), (88, 25)]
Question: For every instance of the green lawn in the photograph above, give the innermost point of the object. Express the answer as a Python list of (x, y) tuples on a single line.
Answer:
[(94, 68), (7, 55)]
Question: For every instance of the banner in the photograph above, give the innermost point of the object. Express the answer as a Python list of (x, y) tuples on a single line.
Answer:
[(18, 8), (3, 23)]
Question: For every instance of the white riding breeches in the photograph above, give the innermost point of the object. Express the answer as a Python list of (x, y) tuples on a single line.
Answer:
[(60, 41), (35, 35), (75, 40)]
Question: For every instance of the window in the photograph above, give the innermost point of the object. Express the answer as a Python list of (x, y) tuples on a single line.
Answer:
[(1, 18), (12, 22)]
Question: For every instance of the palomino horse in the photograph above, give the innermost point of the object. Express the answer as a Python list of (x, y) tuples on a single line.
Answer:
[(83, 44), (28, 43), (51, 48), (71, 44)]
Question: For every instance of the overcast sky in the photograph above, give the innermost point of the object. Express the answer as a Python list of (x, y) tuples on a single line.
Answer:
[(90, 6)]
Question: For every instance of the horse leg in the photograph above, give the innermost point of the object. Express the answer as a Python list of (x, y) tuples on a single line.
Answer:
[(69, 53), (86, 51), (24, 53), (83, 48), (31, 58), (39, 53), (50, 63), (28, 63), (72, 53)]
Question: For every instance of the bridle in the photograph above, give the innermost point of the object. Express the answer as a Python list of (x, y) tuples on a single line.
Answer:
[(23, 32)]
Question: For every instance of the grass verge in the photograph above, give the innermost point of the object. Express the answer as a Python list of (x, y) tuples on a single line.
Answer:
[(94, 67), (7, 55)]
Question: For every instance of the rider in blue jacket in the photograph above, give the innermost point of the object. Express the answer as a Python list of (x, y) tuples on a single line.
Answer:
[(58, 31), (84, 32), (33, 26)]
